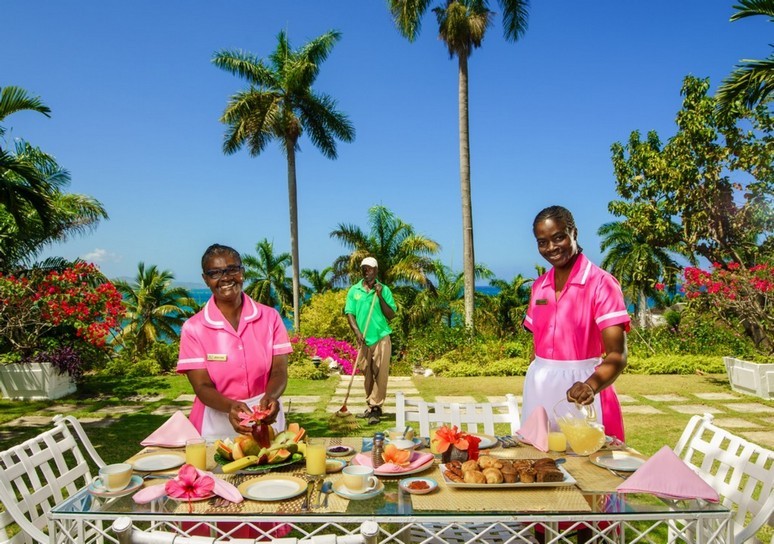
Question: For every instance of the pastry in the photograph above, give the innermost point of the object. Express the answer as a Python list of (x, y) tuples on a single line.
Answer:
[(527, 475), (474, 477), (469, 465), (453, 476), (509, 474), (487, 461), (493, 475), (549, 475)]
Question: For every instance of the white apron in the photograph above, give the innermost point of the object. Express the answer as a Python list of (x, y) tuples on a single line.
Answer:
[(547, 382), (215, 424)]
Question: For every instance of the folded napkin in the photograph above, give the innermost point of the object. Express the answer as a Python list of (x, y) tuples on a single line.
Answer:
[(220, 488), (173, 433), (417, 460), (535, 429), (666, 475)]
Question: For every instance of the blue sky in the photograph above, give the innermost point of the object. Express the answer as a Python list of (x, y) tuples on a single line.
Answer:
[(136, 101)]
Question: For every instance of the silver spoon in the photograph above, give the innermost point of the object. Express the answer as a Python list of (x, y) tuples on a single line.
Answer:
[(325, 490)]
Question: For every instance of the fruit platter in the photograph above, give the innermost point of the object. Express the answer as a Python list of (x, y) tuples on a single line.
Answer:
[(246, 454)]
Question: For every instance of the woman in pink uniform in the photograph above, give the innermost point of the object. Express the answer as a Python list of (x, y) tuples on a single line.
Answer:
[(234, 351), (578, 319)]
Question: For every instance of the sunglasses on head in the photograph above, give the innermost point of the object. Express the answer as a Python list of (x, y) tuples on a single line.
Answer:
[(217, 273)]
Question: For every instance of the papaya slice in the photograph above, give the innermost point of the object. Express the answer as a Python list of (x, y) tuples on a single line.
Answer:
[(223, 449), (236, 451)]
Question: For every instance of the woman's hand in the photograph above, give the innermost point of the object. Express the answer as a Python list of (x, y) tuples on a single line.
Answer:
[(238, 408), (268, 403), (581, 393)]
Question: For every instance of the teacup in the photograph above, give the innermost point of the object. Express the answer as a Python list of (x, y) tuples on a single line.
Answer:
[(113, 477), (395, 433), (360, 479)]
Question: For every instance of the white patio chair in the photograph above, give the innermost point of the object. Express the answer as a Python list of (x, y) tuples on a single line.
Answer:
[(126, 533), (741, 472), (39, 473), (473, 417)]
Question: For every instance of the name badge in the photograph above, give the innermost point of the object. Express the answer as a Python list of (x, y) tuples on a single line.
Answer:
[(217, 357), (541, 301)]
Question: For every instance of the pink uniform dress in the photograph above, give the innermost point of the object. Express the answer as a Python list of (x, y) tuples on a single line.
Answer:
[(568, 339), (238, 362)]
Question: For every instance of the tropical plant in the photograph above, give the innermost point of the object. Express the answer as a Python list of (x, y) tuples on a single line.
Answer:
[(462, 25), (753, 80), (506, 309), (267, 281), (708, 190), (403, 256), (320, 281), (155, 309), (66, 312), (636, 264), (323, 315), (34, 210), (441, 301), (281, 104)]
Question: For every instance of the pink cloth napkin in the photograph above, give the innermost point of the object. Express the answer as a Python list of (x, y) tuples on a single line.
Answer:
[(222, 489), (173, 433), (666, 475), (417, 460), (535, 429)]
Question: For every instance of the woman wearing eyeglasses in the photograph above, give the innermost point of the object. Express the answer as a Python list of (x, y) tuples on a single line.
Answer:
[(234, 351)]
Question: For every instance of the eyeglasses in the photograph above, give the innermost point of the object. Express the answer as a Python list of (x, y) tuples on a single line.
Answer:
[(217, 273)]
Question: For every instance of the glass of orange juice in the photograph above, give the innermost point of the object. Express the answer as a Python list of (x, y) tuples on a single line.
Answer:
[(196, 452), (433, 443), (315, 457)]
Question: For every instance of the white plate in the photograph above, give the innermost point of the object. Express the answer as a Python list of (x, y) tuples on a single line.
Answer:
[(405, 485), (135, 483), (152, 462), (624, 461), (342, 491), (403, 472), (487, 441), (568, 480), (334, 465), (272, 488), (333, 451)]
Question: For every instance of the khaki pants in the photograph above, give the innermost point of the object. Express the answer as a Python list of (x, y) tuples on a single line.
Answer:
[(375, 365)]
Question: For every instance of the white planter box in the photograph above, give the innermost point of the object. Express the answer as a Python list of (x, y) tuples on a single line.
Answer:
[(34, 381), (751, 378)]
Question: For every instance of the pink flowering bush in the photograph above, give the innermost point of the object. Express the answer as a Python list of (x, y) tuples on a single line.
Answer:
[(340, 351), (739, 296)]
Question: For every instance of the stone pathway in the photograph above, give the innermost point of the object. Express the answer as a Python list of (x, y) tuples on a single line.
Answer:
[(729, 414)]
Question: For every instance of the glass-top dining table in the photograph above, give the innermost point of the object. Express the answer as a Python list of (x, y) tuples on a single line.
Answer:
[(451, 513)]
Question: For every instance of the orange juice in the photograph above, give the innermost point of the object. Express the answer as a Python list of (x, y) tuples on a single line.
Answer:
[(583, 437), (315, 457), (196, 453), (433, 443), (557, 441)]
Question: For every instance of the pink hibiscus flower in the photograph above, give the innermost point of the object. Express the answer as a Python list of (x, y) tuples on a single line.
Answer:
[(190, 484)]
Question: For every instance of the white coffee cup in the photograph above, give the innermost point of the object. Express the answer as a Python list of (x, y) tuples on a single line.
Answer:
[(113, 477), (360, 479), (395, 433)]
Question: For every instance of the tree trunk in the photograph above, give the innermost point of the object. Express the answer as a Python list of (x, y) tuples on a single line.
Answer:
[(468, 255), (642, 310), (293, 208)]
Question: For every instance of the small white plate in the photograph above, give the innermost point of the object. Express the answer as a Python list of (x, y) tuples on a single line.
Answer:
[(405, 485), (487, 441), (155, 461), (339, 451), (623, 461), (135, 483), (272, 488), (342, 491), (334, 465)]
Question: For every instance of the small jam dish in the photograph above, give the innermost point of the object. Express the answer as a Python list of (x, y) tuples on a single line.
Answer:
[(339, 451), (418, 486)]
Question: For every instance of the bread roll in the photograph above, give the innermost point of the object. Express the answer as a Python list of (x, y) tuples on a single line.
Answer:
[(493, 475), (470, 464), (474, 477), (487, 461)]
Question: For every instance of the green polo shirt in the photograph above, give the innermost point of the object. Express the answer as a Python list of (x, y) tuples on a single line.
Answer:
[(359, 303)]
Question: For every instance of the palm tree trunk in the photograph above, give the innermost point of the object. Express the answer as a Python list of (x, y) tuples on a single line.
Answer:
[(293, 207), (468, 255), (642, 310)]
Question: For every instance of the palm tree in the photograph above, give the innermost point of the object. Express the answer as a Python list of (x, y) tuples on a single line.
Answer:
[(154, 308), (636, 263), (403, 255), (462, 26), (753, 80), (280, 104), (320, 281), (509, 306), (267, 281)]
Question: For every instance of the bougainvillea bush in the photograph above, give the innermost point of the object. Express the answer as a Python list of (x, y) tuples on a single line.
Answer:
[(741, 297), (343, 353), (67, 316)]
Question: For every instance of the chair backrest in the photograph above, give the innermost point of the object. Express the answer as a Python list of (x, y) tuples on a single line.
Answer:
[(741, 472), (474, 417), (39, 473)]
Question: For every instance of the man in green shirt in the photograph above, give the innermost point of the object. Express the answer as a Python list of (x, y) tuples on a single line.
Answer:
[(369, 307)]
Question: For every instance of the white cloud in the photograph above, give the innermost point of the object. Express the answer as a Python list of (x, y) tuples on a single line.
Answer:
[(99, 255)]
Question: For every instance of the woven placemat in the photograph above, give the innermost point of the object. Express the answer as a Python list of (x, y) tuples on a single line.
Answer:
[(590, 477)]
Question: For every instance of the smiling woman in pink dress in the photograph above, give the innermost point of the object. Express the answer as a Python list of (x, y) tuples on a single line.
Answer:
[(234, 351), (578, 319)]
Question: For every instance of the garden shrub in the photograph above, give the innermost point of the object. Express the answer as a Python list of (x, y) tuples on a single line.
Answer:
[(675, 364), (304, 369), (323, 316)]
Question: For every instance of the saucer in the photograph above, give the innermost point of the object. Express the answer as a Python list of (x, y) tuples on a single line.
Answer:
[(134, 484), (343, 491), (334, 465), (429, 483)]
